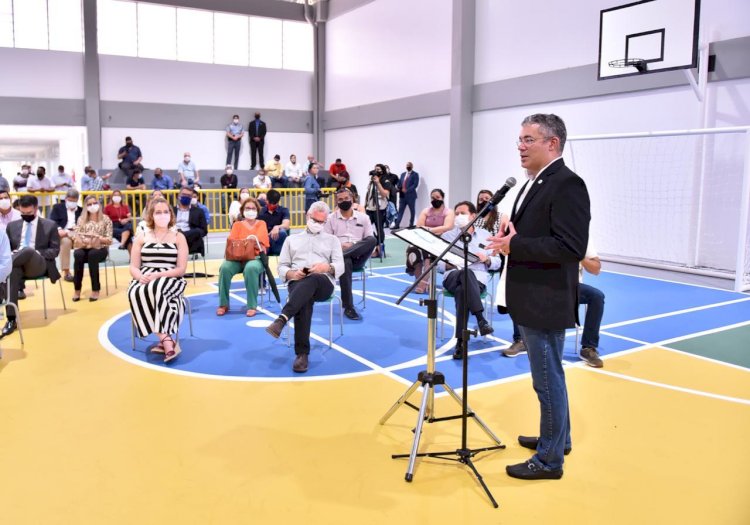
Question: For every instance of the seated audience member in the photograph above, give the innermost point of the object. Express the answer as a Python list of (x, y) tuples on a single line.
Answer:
[(7, 212), (453, 280), (161, 181), (494, 221), (188, 172), (6, 256), (310, 262), (135, 181), (196, 201), (190, 221), (228, 181), (262, 199), (341, 180), (336, 168), (275, 171), (91, 181), (122, 221), (130, 157), (276, 218), (35, 244), (157, 292), (91, 240), (141, 227), (354, 230), (4, 184), (438, 219), (294, 171), (234, 208), (65, 215), (247, 228), (311, 186), (261, 181)]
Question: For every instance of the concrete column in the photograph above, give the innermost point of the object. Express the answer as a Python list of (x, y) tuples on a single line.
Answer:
[(319, 92), (91, 94)]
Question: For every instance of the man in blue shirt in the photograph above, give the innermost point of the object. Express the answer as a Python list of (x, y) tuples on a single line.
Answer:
[(256, 135), (276, 218), (161, 182), (130, 156), (235, 132)]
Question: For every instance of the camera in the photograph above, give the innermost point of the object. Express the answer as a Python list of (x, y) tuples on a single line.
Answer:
[(320, 195)]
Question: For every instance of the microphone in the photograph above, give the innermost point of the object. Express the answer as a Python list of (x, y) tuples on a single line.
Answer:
[(498, 196)]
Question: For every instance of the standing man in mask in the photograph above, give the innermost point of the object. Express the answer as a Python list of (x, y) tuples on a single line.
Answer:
[(407, 193), (256, 135), (22, 178), (190, 220), (235, 132), (41, 184), (130, 156)]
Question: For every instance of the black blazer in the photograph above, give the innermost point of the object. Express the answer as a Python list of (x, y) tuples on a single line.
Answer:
[(252, 133), (47, 242), (196, 221), (553, 232), (59, 214)]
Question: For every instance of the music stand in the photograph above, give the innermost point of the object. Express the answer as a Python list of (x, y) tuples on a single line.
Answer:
[(430, 378)]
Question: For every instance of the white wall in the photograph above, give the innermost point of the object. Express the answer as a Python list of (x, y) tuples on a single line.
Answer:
[(172, 82), (515, 39), (423, 141), (386, 50), (164, 147), (41, 74)]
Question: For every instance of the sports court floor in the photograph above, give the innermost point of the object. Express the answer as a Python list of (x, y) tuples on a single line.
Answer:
[(95, 432)]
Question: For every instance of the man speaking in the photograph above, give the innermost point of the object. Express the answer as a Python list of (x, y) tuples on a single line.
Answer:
[(544, 242)]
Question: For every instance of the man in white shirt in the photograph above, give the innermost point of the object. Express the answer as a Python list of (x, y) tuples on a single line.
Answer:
[(65, 214), (261, 181), (62, 181), (41, 185), (293, 171), (7, 212), (188, 172)]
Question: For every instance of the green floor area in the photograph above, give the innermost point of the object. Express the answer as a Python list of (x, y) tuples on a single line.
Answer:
[(731, 346)]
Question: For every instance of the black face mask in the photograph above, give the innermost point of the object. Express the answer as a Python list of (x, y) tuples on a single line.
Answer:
[(28, 218), (128, 144), (345, 205), (436, 203), (40, 175)]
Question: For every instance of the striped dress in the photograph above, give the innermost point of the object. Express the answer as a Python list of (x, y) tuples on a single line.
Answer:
[(158, 306)]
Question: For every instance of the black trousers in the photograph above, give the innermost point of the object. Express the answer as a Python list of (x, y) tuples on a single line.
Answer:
[(92, 256), (302, 295), (27, 262), (256, 149), (355, 258), (454, 283), (378, 221)]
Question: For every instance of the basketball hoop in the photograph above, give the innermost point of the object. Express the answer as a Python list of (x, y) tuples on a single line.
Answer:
[(637, 63)]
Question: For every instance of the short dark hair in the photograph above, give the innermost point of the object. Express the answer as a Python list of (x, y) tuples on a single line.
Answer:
[(345, 190), (438, 190), (235, 116), (277, 157), (137, 169), (550, 125), (470, 205), (61, 168), (338, 160), (28, 200), (44, 170), (128, 138), (273, 197)]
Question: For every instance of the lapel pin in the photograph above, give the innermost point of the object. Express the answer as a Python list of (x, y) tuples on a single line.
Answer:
[(540, 181)]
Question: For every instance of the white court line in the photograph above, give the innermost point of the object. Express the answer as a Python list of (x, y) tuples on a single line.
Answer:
[(673, 282)]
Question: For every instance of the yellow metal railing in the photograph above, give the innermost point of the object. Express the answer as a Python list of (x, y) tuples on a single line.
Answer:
[(217, 202)]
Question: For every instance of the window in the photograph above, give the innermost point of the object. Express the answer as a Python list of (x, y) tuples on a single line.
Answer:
[(195, 35), (230, 39), (265, 42), (65, 25), (117, 28), (298, 46), (30, 24), (157, 31)]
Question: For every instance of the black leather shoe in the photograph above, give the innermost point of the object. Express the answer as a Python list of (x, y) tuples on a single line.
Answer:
[(530, 470), (21, 295), (9, 328), (531, 442), (485, 328), (276, 327), (352, 314), (300, 364), (458, 353)]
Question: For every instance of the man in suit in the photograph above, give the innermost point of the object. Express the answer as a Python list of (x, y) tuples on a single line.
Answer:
[(191, 221), (35, 244), (544, 242), (256, 134), (407, 193), (65, 214)]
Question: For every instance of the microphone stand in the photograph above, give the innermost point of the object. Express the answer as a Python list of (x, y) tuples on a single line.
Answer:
[(464, 454)]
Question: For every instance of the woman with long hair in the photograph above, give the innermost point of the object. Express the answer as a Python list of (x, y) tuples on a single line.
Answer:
[(122, 222), (438, 219), (91, 239)]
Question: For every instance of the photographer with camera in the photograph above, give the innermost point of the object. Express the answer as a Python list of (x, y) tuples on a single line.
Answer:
[(376, 201), (311, 186)]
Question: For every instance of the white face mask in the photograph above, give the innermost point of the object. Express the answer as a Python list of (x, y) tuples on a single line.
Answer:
[(71, 205), (230, 171), (4, 204), (314, 227), (250, 214), (236, 121), (193, 201), (187, 158), (162, 220), (117, 199), (461, 221), (244, 196), (93, 208)]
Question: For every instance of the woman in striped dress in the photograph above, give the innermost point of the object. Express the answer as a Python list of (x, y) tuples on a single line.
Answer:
[(157, 264)]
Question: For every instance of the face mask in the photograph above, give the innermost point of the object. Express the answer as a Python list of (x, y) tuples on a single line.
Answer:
[(436, 203), (244, 196), (128, 144), (4, 204), (185, 200), (408, 168), (345, 205), (40, 175), (229, 172), (272, 207), (250, 214), (93, 208), (461, 221), (186, 158), (71, 205), (28, 218), (314, 227), (157, 175), (236, 121), (162, 220), (24, 171), (261, 202), (193, 201), (262, 176), (117, 199)]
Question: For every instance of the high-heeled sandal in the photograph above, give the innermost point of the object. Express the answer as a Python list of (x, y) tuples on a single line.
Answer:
[(169, 355)]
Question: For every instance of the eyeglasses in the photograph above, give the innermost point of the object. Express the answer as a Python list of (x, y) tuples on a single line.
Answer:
[(529, 141), (317, 221)]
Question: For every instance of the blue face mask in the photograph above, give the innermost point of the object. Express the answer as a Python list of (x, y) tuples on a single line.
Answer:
[(185, 200)]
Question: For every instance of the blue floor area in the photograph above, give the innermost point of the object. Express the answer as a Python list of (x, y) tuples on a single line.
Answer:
[(394, 338)]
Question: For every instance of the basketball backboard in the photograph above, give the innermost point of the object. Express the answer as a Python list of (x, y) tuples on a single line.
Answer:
[(647, 37)]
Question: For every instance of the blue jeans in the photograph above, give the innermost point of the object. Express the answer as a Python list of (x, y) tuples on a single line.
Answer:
[(545, 350), (275, 248), (594, 298)]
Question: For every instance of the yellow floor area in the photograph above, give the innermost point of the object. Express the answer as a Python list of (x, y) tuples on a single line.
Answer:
[(88, 438)]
